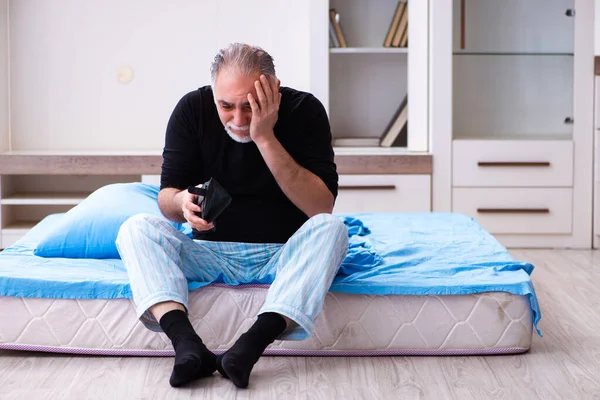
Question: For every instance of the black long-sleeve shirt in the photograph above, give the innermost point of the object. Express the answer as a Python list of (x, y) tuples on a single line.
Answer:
[(198, 148)]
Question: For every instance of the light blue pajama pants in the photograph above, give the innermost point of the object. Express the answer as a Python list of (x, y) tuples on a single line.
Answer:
[(160, 260)]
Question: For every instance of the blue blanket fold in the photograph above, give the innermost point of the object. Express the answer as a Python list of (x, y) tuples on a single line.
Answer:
[(355, 226), (361, 255)]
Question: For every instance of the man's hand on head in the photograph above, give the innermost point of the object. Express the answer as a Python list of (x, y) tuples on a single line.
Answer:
[(190, 208), (265, 109)]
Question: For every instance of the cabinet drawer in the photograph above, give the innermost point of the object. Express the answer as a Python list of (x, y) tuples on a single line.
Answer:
[(8, 238), (383, 193), (151, 179), (512, 163), (516, 210)]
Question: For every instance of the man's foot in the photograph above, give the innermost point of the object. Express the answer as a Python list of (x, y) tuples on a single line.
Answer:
[(237, 362), (192, 359), (236, 367)]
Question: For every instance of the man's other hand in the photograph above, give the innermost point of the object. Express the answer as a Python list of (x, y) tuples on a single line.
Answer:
[(265, 109)]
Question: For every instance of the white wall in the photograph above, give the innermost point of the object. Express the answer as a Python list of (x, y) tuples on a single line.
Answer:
[(65, 56), (4, 132)]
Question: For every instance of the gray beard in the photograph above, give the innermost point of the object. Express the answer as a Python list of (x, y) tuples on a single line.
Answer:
[(239, 139)]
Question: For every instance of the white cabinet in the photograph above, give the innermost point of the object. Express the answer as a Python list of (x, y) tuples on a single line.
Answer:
[(517, 211), (518, 156), (512, 163), (151, 179), (383, 193)]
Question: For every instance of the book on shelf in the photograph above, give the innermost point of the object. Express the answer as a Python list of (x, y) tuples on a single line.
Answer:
[(395, 133), (333, 39), (401, 140), (397, 34), (335, 29), (400, 9), (404, 39)]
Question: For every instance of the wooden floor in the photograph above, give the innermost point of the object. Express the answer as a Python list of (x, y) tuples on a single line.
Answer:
[(564, 364)]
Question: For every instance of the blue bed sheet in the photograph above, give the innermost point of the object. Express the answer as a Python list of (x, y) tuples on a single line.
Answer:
[(389, 253)]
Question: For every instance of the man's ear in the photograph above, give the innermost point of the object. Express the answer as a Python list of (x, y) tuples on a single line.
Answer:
[(278, 84)]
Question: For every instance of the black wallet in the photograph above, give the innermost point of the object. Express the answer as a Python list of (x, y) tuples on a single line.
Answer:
[(214, 199)]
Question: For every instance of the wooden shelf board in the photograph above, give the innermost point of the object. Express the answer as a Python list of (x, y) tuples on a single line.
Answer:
[(79, 164), (355, 164), (81, 153), (354, 160), (44, 198), (19, 227)]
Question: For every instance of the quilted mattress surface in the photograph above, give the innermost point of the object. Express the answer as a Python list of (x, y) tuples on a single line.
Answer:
[(486, 323)]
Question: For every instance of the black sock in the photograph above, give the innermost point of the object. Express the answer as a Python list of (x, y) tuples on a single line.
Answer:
[(237, 362), (192, 359)]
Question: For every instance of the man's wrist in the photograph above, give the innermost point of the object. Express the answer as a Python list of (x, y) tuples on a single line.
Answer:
[(266, 140), (180, 199)]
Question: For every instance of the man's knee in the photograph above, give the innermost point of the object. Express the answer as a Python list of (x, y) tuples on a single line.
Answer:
[(137, 223), (334, 225)]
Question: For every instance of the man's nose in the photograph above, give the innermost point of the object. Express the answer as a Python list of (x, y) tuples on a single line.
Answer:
[(239, 118)]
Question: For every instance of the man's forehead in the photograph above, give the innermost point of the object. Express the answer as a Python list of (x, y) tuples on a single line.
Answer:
[(233, 102), (232, 86)]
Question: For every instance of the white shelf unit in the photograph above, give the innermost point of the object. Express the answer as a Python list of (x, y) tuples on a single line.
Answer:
[(61, 74), (17, 220), (27, 199), (40, 198), (366, 82), (83, 108), (519, 82)]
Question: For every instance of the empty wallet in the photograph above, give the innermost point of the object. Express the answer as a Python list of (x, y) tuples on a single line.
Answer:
[(214, 199)]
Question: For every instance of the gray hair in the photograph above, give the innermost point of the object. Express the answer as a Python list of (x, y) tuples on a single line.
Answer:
[(245, 58)]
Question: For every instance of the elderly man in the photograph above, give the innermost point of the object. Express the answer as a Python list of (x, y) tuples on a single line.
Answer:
[(270, 148)]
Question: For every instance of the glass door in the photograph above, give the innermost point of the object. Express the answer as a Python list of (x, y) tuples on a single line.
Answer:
[(513, 69)]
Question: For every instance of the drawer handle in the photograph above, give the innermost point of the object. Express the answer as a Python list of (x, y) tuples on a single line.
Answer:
[(513, 210), (371, 187), (513, 164)]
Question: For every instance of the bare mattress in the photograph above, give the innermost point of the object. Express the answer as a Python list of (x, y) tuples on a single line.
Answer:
[(400, 291)]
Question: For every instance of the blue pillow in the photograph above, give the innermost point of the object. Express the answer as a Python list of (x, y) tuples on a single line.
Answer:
[(89, 230)]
